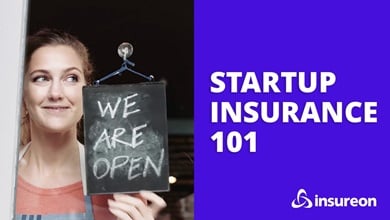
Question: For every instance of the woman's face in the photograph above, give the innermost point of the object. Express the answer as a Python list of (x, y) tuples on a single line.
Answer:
[(53, 88)]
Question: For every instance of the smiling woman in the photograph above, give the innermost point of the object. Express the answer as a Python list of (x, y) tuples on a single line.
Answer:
[(54, 61), (52, 88), (50, 182)]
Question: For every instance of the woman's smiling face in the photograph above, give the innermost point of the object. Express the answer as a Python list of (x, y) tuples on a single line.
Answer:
[(53, 88)]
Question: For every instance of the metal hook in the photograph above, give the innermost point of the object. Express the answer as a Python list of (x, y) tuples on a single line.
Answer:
[(125, 50)]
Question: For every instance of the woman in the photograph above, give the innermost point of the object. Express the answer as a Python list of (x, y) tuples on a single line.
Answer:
[(49, 182)]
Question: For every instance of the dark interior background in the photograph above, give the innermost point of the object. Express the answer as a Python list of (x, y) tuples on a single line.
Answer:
[(161, 33)]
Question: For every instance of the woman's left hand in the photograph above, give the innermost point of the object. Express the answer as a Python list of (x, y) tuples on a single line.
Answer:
[(140, 206)]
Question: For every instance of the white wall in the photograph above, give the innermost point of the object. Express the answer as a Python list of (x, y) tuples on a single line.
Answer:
[(12, 36)]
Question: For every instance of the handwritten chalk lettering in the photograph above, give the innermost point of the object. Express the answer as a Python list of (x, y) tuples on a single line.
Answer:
[(133, 166), (125, 138), (126, 106), (105, 163), (110, 142)]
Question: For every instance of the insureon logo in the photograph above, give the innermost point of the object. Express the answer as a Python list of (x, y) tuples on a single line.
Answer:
[(303, 201)]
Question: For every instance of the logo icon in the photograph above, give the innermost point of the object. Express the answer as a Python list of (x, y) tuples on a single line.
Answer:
[(301, 200)]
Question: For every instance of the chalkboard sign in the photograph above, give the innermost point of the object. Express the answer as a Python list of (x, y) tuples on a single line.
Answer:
[(126, 138)]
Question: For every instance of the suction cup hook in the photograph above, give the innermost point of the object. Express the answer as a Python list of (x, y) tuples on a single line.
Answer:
[(125, 50)]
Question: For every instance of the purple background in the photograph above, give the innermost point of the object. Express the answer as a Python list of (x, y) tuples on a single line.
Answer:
[(348, 160)]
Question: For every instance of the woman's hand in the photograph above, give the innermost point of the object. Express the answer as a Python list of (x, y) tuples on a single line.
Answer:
[(141, 206)]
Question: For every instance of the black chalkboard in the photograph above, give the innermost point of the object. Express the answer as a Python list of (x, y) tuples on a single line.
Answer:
[(126, 138)]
